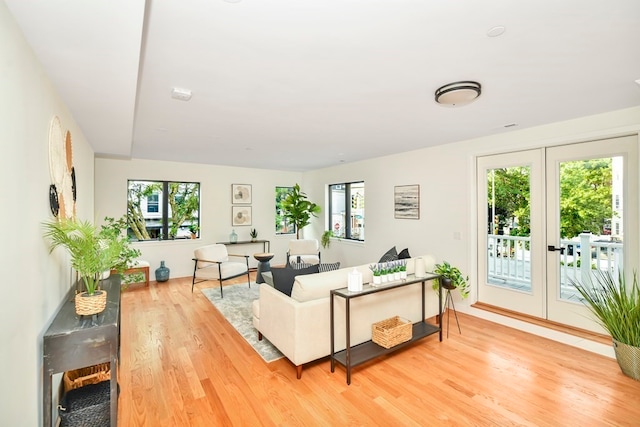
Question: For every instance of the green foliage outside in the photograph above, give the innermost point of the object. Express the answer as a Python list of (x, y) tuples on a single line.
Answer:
[(585, 201), (183, 199), (282, 224), (585, 197)]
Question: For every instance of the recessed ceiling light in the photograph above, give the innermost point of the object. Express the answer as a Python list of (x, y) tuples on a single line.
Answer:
[(496, 31), (232, 1)]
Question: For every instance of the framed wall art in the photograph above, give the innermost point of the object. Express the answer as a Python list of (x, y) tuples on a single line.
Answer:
[(240, 215), (241, 194), (407, 201)]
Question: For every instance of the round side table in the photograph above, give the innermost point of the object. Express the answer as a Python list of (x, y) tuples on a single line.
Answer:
[(263, 265)]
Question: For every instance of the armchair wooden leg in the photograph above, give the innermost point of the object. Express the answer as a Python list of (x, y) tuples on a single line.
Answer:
[(259, 336), (221, 296)]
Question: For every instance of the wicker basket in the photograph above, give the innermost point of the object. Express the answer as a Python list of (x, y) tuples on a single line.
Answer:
[(87, 305), (391, 332), (85, 376)]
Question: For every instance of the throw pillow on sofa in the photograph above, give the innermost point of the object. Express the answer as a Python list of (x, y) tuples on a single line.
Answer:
[(390, 255), (284, 277), (404, 254), (328, 266)]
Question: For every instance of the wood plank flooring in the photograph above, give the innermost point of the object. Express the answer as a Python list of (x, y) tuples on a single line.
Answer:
[(183, 364)]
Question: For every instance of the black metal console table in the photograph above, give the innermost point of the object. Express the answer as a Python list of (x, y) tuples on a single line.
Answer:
[(361, 353), (74, 342), (266, 244)]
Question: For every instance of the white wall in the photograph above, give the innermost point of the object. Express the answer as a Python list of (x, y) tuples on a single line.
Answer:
[(34, 281), (215, 196), (446, 175)]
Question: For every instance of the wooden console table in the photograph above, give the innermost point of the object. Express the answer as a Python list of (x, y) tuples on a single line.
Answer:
[(74, 342), (361, 353)]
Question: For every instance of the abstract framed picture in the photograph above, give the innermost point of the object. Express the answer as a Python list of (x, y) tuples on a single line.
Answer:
[(407, 201), (241, 194), (240, 215)]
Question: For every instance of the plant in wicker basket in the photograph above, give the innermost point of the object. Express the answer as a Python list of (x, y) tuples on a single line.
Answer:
[(92, 252), (616, 307)]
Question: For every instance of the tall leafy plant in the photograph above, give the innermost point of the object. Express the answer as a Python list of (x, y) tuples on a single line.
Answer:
[(614, 303), (298, 209), (92, 251)]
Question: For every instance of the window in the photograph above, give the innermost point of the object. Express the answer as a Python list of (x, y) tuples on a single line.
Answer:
[(282, 224), (346, 210), (163, 210), (152, 203)]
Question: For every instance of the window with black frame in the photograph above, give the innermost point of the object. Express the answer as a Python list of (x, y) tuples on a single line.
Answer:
[(346, 210), (163, 210)]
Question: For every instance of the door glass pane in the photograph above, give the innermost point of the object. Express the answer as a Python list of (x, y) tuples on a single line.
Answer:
[(508, 228), (591, 219)]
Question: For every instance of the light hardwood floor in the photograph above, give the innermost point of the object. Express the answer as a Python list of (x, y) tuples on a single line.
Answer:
[(182, 364)]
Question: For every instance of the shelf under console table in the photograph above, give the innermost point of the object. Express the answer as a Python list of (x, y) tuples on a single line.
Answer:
[(361, 353)]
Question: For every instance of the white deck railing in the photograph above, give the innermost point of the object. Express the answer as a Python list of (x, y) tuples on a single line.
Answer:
[(509, 260)]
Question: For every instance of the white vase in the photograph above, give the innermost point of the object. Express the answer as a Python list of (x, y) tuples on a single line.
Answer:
[(403, 275), (377, 280)]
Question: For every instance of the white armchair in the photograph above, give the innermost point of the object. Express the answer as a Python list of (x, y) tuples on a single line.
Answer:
[(303, 250), (212, 263)]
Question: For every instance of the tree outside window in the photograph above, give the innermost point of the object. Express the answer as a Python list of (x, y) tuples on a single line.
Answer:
[(162, 210), (282, 224)]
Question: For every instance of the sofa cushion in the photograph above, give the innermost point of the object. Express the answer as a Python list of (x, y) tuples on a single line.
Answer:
[(390, 255), (328, 266), (404, 254), (283, 277)]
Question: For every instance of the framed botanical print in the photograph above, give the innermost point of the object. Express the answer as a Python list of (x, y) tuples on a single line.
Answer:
[(241, 194), (240, 215)]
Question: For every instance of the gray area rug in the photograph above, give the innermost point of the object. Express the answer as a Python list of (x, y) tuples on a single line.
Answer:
[(236, 308)]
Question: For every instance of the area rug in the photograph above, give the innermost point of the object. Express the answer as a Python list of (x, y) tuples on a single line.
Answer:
[(236, 308)]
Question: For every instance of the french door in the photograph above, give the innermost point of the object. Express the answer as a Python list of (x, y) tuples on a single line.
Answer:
[(552, 215)]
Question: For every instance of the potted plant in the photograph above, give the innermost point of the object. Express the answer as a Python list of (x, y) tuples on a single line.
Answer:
[(325, 240), (254, 234), (193, 229), (298, 210), (616, 307), (451, 278), (93, 251)]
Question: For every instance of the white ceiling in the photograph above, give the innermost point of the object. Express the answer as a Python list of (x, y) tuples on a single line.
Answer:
[(305, 84)]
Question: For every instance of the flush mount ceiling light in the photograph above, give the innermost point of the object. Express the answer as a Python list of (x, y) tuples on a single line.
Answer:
[(458, 93)]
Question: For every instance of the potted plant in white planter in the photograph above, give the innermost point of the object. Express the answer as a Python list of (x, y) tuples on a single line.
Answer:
[(616, 307), (92, 253)]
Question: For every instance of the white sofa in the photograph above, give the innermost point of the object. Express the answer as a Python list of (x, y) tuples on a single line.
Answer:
[(299, 326)]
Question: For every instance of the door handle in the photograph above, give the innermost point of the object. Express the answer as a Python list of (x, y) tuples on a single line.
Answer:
[(552, 248)]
